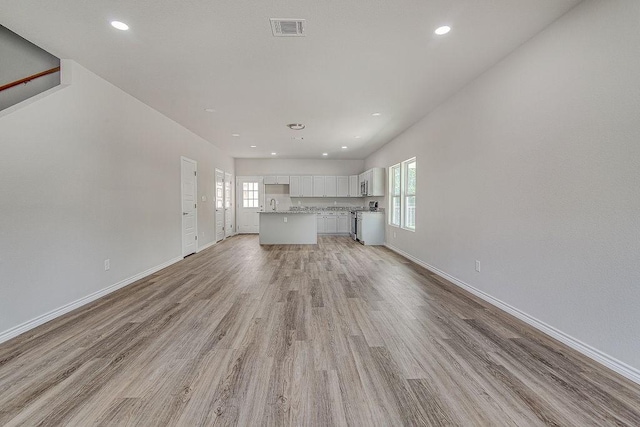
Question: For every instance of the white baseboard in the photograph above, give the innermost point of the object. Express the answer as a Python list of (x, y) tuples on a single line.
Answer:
[(30, 324), (207, 246), (610, 362)]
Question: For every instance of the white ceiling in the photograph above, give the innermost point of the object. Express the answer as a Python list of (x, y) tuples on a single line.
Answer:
[(358, 57)]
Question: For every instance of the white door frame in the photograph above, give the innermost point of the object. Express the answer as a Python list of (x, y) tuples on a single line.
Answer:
[(195, 190), (239, 198), (229, 217), (215, 202)]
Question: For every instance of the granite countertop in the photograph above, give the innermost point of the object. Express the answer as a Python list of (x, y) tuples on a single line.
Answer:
[(321, 210), (289, 212)]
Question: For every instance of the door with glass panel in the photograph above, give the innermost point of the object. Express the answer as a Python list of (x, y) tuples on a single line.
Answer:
[(228, 205), (250, 201), (219, 205)]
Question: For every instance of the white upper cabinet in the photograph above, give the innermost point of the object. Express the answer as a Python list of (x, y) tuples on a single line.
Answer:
[(307, 186), (318, 186), (343, 186), (330, 186), (295, 189), (376, 182), (279, 179), (354, 186)]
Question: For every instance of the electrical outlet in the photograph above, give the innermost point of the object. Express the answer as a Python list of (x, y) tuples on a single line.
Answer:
[(107, 264), (478, 266), (285, 219)]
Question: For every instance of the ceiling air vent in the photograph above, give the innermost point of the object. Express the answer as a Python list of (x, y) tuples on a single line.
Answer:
[(287, 27)]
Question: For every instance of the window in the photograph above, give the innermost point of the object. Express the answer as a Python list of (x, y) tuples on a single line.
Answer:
[(250, 195), (402, 194), (409, 181), (394, 195)]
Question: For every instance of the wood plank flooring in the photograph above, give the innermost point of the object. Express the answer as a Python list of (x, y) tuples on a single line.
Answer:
[(329, 334)]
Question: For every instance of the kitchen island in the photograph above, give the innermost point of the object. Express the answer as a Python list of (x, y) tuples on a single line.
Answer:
[(288, 228)]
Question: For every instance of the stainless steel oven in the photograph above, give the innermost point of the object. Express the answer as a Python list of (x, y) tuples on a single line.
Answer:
[(354, 225)]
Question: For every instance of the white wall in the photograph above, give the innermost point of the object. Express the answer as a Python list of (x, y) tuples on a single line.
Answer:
[(534, 169), (259, 167), (87, 173)]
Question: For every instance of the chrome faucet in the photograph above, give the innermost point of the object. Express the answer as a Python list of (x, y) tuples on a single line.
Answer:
[(273, 203)]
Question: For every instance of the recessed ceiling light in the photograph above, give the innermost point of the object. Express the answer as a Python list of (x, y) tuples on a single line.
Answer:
[(357, 136), (296, 126), (119, 25), (273, 154), (325, 154), (253, 146), (441, 31), (344, 147), (235, 134), (209, 110), (376, 114)]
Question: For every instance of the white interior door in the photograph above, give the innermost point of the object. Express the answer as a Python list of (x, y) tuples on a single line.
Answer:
[(228, 205), (219, 205), (250, 199), (189, 207)]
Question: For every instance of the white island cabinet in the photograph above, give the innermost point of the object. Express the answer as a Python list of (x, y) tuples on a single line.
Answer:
[(288, 228)]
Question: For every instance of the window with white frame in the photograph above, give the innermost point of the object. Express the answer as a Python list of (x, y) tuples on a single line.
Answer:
[(402, 194), (409, 187), (394, 195), (250, 195)]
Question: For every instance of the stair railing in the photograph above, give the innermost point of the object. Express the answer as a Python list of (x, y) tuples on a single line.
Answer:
[(28, 79)]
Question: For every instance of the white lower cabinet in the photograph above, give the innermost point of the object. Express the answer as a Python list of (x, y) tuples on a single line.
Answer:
[(322, 229), (333, 222), (343, 223)]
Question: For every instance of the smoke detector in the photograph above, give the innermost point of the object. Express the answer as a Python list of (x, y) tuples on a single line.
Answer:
[(287, 27)]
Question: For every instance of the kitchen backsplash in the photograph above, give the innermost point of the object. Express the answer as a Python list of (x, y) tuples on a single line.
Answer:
[(280, 193)]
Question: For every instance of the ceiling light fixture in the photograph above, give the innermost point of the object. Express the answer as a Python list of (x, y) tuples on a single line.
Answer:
[(357, 136), (253, 146), (119, 25), (441, 31), (376, 114), (235, 134), (273, 154), (209, 110), (344, 147), (296, 126), (325, 154)]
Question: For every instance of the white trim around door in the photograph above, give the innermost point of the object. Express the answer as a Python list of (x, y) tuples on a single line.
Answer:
[(189, 204)]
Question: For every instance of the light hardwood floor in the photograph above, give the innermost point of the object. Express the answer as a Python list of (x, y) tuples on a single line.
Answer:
[(330, 334)]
